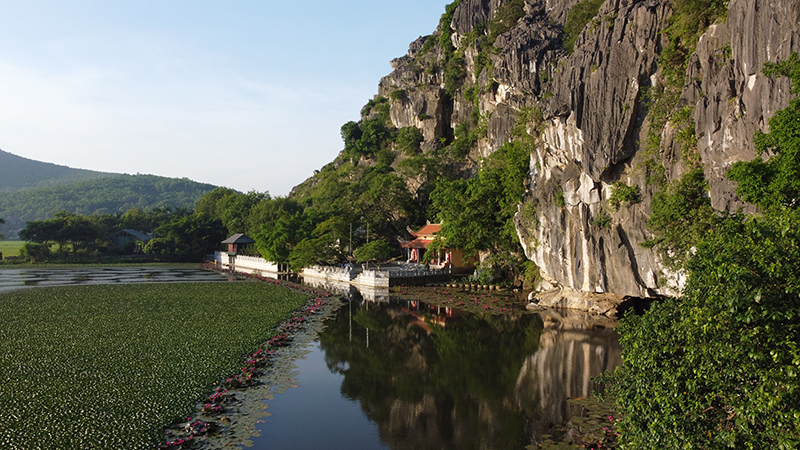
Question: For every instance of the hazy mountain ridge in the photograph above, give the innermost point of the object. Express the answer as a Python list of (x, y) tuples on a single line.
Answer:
[(17, 173), (33, 190)]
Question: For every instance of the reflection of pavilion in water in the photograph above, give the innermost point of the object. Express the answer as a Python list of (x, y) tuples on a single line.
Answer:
[(424, 314), (350, 291), (573, 348), (432, 377)]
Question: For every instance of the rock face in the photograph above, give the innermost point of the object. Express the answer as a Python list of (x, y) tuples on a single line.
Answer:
[(595, 118)]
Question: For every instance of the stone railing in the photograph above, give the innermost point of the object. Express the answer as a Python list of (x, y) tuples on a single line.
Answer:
[(246, 264), (373, 278), (255, 263), (416, 270), (329, 273)]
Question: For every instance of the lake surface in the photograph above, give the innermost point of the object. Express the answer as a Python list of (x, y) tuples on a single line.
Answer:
[(406, 375), (403, 374), (26, 278)]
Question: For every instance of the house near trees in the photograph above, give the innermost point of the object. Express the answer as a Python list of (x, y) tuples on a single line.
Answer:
[(237, 241), (127, 237), (443, 258)]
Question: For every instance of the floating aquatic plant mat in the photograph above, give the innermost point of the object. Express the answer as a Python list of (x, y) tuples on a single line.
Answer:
[(109, 366), (481, 302), (229, 416)]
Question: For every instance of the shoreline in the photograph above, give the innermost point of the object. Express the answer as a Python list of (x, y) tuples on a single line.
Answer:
[(228, 415)]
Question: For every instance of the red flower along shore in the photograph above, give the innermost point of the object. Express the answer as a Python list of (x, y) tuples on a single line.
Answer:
[(255, 364)]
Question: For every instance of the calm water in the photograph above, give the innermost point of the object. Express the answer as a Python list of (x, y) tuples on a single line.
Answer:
[(26, 278), (397, 374), (403, 375)]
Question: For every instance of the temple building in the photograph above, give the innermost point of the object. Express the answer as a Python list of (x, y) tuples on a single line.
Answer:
[(445, 258)]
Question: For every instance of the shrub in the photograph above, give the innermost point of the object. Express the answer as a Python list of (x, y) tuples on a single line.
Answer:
[(622, 194), (398, 95), (602, 220), (559, 199), (577, 18), (408, 141)]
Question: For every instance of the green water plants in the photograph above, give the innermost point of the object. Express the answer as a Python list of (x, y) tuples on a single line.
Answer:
[(109, 366)]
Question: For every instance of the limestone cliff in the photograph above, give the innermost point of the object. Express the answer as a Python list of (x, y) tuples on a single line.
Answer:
[(595, 116)]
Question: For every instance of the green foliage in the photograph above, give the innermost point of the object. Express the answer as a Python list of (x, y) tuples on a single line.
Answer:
[(775, 183), (559, 198), (718, 367), (454, 73), (529, 122), (684, 120), (376, 251), (36, 251), (531, 273), (507, 16), (464, 141), (378, 106), (622, 194), (102, 196), (70, 231), (661, 101), (528, 215), (478, 213), (681, 216), (655, 174), (324, 246), (231, 207), (110, 366), (409, 140), (285, 225), (577, 18), (18, 173), (398, 95), (445, 38), (370, 137), (602, 220), (186, 238), (689, 20)]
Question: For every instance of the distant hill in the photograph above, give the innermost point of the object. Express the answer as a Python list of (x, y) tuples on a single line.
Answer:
[(102, 195), (18, 173)]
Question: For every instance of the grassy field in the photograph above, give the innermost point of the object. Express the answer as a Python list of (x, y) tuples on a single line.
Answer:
[(109, 366), (10, 248)]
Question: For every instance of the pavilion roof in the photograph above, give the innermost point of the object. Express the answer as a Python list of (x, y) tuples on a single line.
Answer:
[(428, 230), (239, 238)]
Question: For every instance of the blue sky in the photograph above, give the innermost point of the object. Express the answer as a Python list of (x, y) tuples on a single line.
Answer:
[(244, 94)]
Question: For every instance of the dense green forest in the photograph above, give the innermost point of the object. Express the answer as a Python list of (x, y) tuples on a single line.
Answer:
[(177, 235), (18, 173), (717, 367), (114, 195)]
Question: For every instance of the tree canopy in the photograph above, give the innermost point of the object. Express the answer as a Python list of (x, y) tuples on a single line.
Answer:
[(376, 251), (717, 368)]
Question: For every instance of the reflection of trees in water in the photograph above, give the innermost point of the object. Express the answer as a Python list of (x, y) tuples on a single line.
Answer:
[(573, 348), (452, 388)]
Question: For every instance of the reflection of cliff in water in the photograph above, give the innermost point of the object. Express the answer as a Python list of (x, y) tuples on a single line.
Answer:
[(432, 378), (573, 348)]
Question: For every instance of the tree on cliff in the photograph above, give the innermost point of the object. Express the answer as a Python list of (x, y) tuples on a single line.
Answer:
[(718, 367)]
